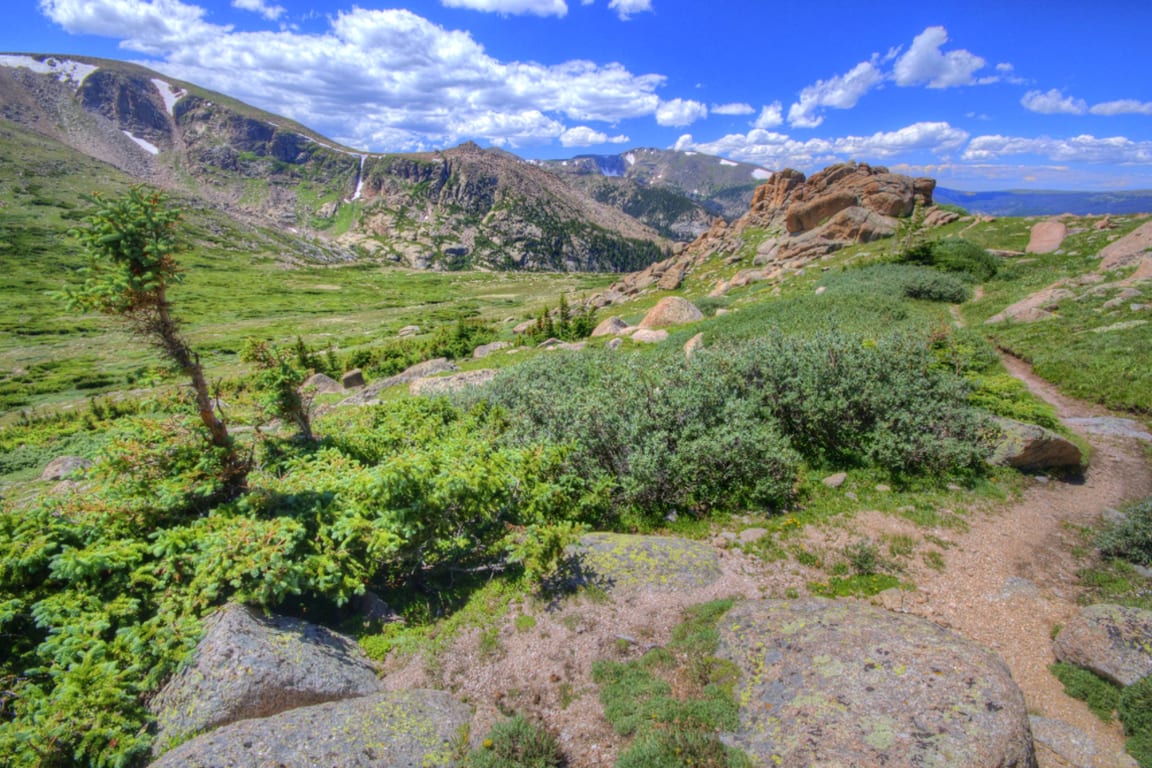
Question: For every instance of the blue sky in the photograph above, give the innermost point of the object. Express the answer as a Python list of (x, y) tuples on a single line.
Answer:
[(980, 95)]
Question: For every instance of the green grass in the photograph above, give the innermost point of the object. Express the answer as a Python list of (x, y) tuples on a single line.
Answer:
[(1100, 695)]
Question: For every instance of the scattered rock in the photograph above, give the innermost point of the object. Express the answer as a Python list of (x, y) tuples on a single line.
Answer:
[(843, 683), (671, 310), (1038, 306), (693, 344), (836, 480), (322, 385), (883, 488), (484, 350), (1060, 745), (549, 343), (618, 561), (408, 330), (1113, 641), (610, 327), (1029, 446), (370, 394), (752, 535), (63, 466), (353, 379), (646, 336), (443, 385), (398, 729), (1047, 236), (249, 665), (614, 343), (524, 327)]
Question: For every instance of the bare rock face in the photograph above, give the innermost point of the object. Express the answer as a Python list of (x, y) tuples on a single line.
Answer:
[(1047, 236), (322, 385), (371, 393), (387, 730), (1129, 249), (826, 682), (1113, 641), (443, 385), (249, 665), (671, 310)]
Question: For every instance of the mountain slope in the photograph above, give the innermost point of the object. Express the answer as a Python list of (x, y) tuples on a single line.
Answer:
[(458, 208)]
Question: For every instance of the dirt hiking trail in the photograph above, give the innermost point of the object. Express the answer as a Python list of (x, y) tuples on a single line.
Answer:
[(1010, 579)]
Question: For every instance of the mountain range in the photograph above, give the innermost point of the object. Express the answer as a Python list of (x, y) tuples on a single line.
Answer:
[(459, 208)]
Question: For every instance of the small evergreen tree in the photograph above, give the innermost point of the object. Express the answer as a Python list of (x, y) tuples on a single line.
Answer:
[(279, 385), (132, 242)]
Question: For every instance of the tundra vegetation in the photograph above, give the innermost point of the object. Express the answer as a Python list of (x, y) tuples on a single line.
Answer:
[(437, 503)]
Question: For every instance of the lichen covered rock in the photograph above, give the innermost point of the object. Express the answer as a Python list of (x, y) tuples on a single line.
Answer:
[(388, 730), (838, 683), (1113, 641), (660, 563), (249, 665)]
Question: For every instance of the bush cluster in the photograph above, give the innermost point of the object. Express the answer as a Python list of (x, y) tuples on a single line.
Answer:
[(900, 281), (1130, 538), (727, 428), (954, 255)]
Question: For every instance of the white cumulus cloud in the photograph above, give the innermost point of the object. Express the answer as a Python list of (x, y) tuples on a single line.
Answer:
[(626, 8), (583, 136), (386, 80), (924, 62), (679, 112), (1082, 149), (770, 116), (1122, 107), (839, 92), (732, 109), (512, 7), (1053, 102), (270, 12)]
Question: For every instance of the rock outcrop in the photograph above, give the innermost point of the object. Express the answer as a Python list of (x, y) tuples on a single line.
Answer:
[(804, 218), (386, 730), (1113, 641), (443, 385), (371, 393), (249, 665), (827, 682), (63, 466)]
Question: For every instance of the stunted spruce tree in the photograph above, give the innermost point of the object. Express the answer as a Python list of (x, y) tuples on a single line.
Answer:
[(132, 242)]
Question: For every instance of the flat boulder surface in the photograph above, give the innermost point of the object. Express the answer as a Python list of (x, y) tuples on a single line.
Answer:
[(249, 665), (401, 729), (659, 563), (1111, 640), (1047, 236), (839, 683), (1131, 248)]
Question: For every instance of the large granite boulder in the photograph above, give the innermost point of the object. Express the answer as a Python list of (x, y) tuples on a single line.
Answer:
[(387, 730), (444, 385), (838, 683), (671, 310), (1113, 641), (250, 665), (1029, 446), (617, 561)]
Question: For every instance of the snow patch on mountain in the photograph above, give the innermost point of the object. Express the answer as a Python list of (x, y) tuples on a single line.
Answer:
[(147, 146), (66, 71), (725, 161), (630, 158), (169, 93)]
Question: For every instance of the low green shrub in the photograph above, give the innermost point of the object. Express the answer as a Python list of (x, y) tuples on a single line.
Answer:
[(898, 281), (1130, 538), (954, 255), (1101, 696), (1135, 707), (516, 743)]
